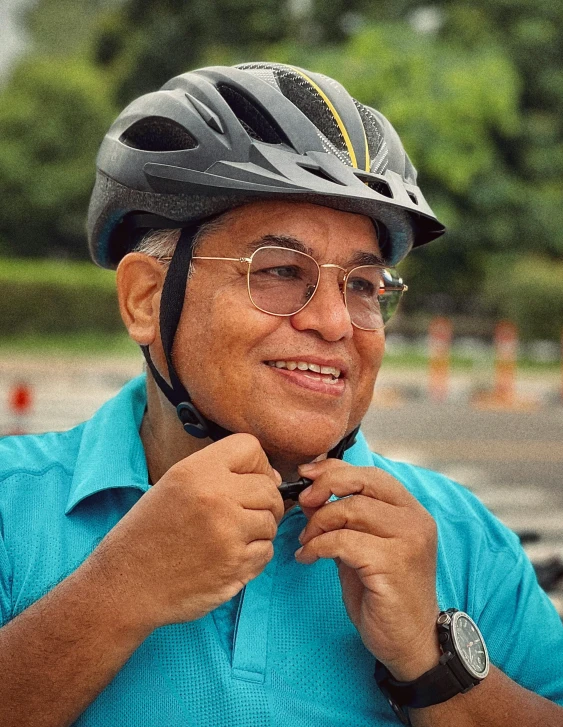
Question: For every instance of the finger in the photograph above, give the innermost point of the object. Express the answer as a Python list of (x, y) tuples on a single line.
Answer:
[(243, 454), (258, 554), (258, 492), (345, 479), (360, 513), (257, 525), (366, 553)]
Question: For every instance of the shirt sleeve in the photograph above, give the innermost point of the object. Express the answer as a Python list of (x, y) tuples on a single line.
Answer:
[(5, 585), (521, 627)]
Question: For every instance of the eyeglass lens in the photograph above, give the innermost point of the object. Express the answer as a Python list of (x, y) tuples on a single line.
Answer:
[(282, 281)]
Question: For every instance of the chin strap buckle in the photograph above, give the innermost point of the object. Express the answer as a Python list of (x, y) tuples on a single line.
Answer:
[(192, 421)]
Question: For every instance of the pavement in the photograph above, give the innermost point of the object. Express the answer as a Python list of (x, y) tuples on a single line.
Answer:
[(511, 457)]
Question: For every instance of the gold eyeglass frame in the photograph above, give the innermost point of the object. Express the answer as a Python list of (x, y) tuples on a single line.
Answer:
[(401, 288)]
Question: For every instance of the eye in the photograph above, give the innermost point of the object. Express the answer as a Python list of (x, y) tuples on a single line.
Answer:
[(361, 286), (281, 272)]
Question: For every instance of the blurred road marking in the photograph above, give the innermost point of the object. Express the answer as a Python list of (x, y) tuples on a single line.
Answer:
[(472, 450)]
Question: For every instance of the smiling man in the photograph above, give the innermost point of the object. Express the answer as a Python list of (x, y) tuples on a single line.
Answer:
[(217, 545)]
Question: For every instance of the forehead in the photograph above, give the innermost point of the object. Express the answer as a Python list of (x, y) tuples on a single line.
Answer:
[(324, 232)]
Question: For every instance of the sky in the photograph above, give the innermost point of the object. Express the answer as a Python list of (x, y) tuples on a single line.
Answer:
[(12, 38)]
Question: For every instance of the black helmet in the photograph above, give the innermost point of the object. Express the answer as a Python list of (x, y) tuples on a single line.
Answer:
[(219, 137)]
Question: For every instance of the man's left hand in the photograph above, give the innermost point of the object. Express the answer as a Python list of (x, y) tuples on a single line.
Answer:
[(384, 544)]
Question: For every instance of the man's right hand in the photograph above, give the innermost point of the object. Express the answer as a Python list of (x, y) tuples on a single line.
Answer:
[(200, 534)]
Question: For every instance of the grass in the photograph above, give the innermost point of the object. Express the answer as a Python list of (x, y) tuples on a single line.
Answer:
[(85, 344), (59, 272), (414, 360)]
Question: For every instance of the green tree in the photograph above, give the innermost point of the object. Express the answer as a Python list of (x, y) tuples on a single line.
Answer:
[(146, 43), (64, 27), (52, 116), (528, 290)]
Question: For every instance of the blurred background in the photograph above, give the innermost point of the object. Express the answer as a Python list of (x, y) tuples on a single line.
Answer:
[(475, 90)]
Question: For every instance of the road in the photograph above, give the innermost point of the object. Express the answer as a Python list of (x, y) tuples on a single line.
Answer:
[(511, 459)]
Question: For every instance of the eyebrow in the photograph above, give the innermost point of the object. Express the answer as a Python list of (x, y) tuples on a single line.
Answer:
[(360, 257)]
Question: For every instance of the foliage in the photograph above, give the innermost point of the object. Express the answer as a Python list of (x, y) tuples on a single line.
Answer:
[(54, 297), (64, 27), (528, 291), (52, 116)]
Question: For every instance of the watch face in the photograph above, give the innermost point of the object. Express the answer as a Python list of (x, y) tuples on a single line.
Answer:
[(470, 646)]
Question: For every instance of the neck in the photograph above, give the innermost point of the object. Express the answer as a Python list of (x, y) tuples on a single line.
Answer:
[(164, 440)]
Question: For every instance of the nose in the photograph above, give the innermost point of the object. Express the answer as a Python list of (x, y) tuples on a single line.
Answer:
[(326, 312)]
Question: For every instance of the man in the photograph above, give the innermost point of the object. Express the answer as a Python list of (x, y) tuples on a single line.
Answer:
[(150, 571)]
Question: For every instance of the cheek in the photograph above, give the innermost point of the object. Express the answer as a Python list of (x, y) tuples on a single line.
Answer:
[(227, 329), (370, 347)]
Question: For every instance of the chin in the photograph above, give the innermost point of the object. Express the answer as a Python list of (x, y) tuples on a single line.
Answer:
[(297, 445)]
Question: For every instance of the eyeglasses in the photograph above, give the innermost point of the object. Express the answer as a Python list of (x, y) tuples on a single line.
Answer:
[(281, 282)]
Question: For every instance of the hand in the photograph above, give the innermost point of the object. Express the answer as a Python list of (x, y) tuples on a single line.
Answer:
[(384, 543), (202, 532)]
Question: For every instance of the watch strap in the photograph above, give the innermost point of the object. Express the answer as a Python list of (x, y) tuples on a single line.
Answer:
[(433, 687)]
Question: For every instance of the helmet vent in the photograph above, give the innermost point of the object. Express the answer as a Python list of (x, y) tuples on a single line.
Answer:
[(308, 100), (321, 174), (377, 146), (156, 133), (381, 188), (413, 198), (255, 121)]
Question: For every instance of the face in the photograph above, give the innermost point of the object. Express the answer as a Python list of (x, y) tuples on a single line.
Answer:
[(225, 347)]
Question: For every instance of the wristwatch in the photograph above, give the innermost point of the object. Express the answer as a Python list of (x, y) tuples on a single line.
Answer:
[(463, 665)]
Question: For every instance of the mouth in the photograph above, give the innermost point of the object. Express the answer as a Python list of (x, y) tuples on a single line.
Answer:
[(322, 378)]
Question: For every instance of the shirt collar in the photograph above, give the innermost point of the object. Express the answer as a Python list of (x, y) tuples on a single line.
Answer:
[(111, 453), (359, 454)]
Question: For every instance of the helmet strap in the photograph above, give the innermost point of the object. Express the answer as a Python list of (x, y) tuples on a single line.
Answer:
[(344, 444), (171, 304)]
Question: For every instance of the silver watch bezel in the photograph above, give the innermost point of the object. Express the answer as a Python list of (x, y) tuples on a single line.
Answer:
[(453, 631)]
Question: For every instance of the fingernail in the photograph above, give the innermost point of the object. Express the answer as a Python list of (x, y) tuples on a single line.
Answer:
[(306, 467), (298, 553), (306, 491), (301, 534)]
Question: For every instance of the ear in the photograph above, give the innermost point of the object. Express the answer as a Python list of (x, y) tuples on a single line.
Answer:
[(139, 285)]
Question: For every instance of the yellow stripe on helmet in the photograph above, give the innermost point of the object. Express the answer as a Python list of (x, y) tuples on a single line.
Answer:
[(338, 120)]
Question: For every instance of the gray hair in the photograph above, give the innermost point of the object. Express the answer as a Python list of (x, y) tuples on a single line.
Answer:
[(161, 244)]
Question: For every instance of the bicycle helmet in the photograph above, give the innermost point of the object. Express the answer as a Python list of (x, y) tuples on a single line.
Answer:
[(220, 137)]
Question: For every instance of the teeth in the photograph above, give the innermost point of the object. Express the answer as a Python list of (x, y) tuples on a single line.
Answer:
[(331, 373)]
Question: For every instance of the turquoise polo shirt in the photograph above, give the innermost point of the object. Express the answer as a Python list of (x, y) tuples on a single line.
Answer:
[(283, 653)]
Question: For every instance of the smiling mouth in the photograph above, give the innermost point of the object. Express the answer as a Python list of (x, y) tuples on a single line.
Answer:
[(315, 372)]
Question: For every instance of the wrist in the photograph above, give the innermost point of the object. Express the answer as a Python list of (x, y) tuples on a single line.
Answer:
[(120, 604), (426, 658), (464, 664)]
